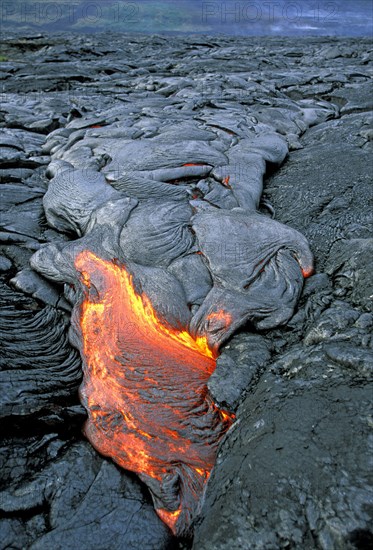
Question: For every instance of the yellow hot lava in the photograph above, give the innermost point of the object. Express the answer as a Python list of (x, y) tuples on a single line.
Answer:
[(145, 388)]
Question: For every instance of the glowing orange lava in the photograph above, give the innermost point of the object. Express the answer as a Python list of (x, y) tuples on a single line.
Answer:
[(220, 315), (226, 182), (307, 272), (145, 391)]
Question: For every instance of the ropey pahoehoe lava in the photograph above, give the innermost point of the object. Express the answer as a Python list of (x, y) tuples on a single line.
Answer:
[(159, 277)]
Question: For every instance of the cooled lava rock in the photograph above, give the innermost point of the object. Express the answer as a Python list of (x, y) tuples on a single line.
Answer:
[(154, 153)]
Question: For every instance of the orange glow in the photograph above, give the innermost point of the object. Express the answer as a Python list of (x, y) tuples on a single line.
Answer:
[(144, 388), (220, 315), (307, 272), (226, 182), (85, 279), (226, 415), (202, 472), (170, 518)]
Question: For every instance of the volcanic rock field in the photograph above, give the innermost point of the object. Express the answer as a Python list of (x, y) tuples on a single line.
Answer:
[(168, 205)]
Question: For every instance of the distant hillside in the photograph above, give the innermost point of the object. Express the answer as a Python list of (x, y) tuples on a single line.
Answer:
[(234, 17)]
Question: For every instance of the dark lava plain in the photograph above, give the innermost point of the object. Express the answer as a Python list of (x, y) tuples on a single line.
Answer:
[(293, 471)]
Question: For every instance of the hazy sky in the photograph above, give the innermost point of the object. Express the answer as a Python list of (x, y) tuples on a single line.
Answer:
[(235, 17)]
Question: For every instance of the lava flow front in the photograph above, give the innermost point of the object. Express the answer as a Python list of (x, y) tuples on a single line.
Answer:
[(145, 391)]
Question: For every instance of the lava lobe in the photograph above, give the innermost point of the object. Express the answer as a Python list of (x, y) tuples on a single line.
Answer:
[(154, 295), (145, 391)]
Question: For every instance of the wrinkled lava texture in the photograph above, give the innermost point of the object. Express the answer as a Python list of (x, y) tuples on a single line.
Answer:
[(160, 274), (159, 203)]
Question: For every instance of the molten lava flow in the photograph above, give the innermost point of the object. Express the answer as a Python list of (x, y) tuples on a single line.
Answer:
[(226, 182), (145, 391), (307, 272), (221, 315)]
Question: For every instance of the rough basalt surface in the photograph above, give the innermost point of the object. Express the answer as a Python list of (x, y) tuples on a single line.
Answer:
[(170, 142)]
